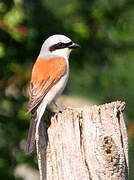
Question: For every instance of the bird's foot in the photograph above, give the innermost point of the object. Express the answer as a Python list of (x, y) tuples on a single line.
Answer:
[(59, 109)]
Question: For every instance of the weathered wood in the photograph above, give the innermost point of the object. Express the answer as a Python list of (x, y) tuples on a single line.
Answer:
[(87, 143)]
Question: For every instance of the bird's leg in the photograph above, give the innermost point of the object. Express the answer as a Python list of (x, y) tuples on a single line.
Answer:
[(58, 107), (48, 110)]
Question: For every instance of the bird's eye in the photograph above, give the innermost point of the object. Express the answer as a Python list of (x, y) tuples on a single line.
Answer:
[(60, 44)]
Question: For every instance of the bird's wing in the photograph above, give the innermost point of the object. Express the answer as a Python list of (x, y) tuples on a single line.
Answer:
[(45, 74)]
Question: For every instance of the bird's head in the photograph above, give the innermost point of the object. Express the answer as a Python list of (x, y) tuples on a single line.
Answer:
[(58, 45)]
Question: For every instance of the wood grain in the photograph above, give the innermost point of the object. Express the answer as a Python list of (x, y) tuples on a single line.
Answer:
[(87, 143)]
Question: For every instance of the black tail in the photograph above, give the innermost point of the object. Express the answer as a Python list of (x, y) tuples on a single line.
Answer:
[(31, 136)]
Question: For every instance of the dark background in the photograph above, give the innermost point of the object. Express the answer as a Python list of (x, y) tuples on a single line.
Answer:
[(101, 71)]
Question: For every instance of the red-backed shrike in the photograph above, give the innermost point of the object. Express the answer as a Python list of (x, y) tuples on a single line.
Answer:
[(48, 80)]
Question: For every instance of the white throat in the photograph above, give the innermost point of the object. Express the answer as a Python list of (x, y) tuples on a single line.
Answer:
[(62, 52)]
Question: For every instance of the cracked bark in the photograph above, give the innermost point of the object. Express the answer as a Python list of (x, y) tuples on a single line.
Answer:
[(87, 143)]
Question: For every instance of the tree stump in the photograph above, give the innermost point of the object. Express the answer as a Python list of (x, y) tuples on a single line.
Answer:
[(87, 143)]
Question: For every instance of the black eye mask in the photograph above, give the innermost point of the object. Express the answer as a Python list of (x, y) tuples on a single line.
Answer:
[(60, 45)]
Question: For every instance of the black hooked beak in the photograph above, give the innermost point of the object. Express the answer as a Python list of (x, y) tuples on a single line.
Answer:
[(74, 45)]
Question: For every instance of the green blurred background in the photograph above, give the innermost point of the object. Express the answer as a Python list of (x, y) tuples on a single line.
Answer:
[(101, 71)]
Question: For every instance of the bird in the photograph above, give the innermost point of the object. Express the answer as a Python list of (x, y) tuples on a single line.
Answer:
[(48, 79)]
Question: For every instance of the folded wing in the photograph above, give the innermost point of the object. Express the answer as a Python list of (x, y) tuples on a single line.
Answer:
[(45, 74)]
